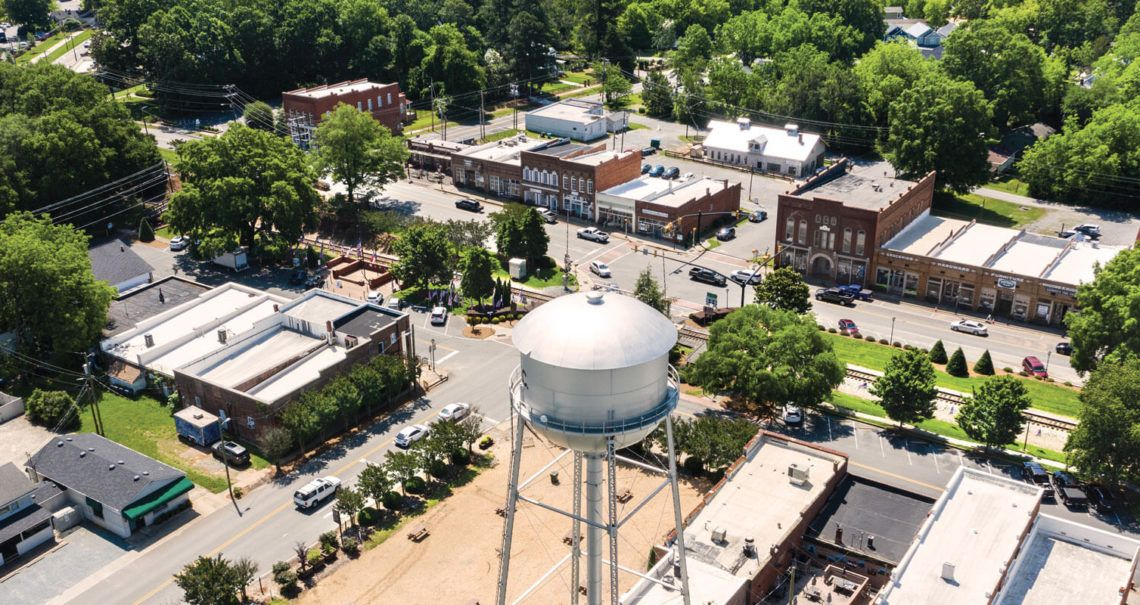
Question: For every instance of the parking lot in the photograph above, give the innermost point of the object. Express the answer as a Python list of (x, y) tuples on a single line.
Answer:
[(82, 551)]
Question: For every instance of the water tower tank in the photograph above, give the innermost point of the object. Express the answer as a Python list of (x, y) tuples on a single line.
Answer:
[(594, 365)]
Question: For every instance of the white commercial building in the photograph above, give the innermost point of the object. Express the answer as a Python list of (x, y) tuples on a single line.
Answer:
[(576, 119), (788, 151)]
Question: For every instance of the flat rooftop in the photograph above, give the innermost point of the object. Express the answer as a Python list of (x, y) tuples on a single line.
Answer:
[(245, 360), (204, 342), (641, 188), (571, 110), (150, 300), (318, 306), (1030, 254), (342, 88), (298, 375), (596, 159), (974, 528), (923, 235), (364, 322), (1077, 264), (856, 191), (506, 150), (976, 244), (711, 583), (673, 193), (864, 508), (759, 501), (563, 150)]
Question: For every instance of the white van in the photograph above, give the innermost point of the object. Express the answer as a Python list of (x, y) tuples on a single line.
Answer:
[(316, 491)]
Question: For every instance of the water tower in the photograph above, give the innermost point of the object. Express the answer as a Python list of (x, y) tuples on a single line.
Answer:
[(594, 377)]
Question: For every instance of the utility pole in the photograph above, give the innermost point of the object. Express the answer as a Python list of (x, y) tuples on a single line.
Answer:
[(89, 388), (605, 65), (431, 94), (226, 459), (482, 124)]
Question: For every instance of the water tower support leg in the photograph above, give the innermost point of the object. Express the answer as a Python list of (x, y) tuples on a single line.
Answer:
[(594, 532), (576, 532), (512, 504), (680, 543), (611, 486)]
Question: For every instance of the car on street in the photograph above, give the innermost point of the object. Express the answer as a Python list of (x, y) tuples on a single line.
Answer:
[(645, 168), (316, 491), (707, 276), (1034, 367), (746, 277), (835, 295), (793, 416), (1089, 230), (859, 292), (849, 326), (658, 170), (466, 204), (726, 233), (179, 243), (758, 216), (547, 215), (970, 327), (232, 452), (454, 411), (411, 434), (1069, 490), (297, 277), (374, 297), (672, 172), (686, 176), (600, 269), (438, 316), (1065, 348), (593, 234), (647, 151), (1033, 473)]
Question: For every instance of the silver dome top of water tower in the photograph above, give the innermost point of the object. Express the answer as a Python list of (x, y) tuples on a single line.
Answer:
[(594, 331)]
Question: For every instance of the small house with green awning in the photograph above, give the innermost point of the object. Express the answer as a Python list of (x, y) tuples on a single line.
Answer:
[(116, 487)]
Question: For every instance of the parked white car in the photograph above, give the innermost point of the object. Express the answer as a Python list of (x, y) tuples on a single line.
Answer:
[(600, 269), (970, 327), (746, 276), (793, 416), (438, 316), (547, 215), (179, 243), (411, 434), (316, 491), (593, 234), (454, 411), (374, 297)]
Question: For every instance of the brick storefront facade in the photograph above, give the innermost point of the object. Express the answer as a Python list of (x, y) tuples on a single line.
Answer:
[(304, 108), (566, 178)]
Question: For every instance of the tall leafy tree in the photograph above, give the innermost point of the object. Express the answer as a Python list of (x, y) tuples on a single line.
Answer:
[(478, 266), (615, 86), (941, 124), (957, 364), (1007, 67), (886, 71), (694, 49), (648, 291), (530, 37), (357, 150), (906, 390), (28, 12), (425, 254), (246, 187), (865, 16), (765, 358), (403, 466), (783, 289), (1104, 326), (520, 233), (1106, 442), (657, 94), (349, 502), (259, 115), (52, 301), (210, 581), (275, 443), (374, 482), (992, 415)]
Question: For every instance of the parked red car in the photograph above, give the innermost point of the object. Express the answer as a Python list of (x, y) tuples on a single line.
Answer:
[(849, 325), (1034, 367)]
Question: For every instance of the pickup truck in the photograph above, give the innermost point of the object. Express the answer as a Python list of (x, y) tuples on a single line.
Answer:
[(835, 295)]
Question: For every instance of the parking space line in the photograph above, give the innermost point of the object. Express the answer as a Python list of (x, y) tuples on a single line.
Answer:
[(446, 357), (856, 437), (882, 450), (937, 467), (906, 448), (829, 435), (961, 462)]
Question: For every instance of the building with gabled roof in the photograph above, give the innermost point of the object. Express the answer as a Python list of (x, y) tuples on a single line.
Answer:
[(787, 151), (115, 263)]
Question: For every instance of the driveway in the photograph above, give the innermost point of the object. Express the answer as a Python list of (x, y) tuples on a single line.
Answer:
[(19, 439), (82, 551)]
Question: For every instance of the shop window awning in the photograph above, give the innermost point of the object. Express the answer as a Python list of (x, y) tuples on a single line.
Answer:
[(151, 502)]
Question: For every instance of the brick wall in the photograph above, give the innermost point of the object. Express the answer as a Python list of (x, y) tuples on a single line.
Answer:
[(388, 114), (905, 209)]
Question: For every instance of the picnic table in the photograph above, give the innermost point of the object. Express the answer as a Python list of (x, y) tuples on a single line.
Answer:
[(418, 532)]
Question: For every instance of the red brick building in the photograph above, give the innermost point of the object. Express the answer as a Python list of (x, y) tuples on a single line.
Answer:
[(647, 204), (305, 107), (830, 226), (566, 177)]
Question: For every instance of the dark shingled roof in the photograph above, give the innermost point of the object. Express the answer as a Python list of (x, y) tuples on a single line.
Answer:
[(863, 507), (13, 483), (145, 302), (363, 322), (114, 262), (83, 462)]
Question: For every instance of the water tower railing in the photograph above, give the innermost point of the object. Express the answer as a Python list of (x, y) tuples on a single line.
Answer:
[(653, 416)]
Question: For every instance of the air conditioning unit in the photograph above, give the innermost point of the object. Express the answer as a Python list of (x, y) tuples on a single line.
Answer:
[(719, 536), (222, 336), (149, 340)]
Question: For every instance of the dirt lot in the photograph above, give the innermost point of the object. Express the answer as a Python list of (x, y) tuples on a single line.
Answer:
[(459, 561), (19, 439)]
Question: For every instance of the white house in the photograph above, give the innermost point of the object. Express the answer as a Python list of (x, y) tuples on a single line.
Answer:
[(789, 151), (576, 119), (25, 513)]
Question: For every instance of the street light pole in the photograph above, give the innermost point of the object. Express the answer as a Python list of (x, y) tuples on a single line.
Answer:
[(892, 331), (226, 463)]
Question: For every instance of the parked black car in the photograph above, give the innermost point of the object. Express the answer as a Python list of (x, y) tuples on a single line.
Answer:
[(835, 295), (758, 216), (726, 233), (236, 454), (1065, 348), (1069, 490), (1100, 498), (471, 205), (647, 151), (1036, 475), (707, 276)]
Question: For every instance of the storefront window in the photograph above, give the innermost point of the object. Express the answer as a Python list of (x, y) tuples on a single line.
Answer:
[(910, 288), (843, 271), (1020, 308), (989, 296), (933, 288), (966, 295), (883, 277)]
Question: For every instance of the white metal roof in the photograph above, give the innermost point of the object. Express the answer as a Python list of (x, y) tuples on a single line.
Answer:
[(1077, 264), (614, 332), (777, 142)]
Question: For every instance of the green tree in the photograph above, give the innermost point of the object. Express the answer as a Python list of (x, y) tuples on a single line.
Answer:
[(346, 399), (1104, 326), (403, 466), (648, 291), (425, 254), (478, 281), (28, 12), (209, 581), (52, 409), (694, 49), (957, 364), (302, 422), (276, 442), (615, 86), (519, 233), (657, 94), (784, 289), (285, 577), (357, 150), (530, 36), (984, 365), (259, 116), (1106, 442), (864, 16), (52, 302), (992, 415), (714, 440), (764, 358), (146, 232), (938, 352), (245, 570), (470, 429), (375, 482), (245, 187), (886, 71), (906, 389), (536, 239), (1006, 67), (349, 502), (941, 124)]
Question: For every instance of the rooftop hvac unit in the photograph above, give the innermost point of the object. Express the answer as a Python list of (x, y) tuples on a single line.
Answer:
[(948, 572), (222, 336), (149, 340), (719, 535), (797, 475)]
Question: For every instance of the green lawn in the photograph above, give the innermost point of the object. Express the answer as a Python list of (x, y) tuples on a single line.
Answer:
[(424, 120), (168, 154), (66, 48), (127, 92), (502, 134), (1009, 184), (545, 277), (41, 47), (637, 126), (583, 92), (146, 426), (577, 77), (1045, 396), (165, 232), (557, 87), (985, 210)]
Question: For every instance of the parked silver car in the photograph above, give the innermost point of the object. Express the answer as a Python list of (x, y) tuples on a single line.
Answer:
[(970, 327)]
